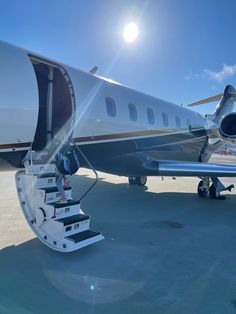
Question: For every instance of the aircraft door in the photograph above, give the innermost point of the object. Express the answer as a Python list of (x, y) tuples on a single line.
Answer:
[(56, 102), (19, 99)]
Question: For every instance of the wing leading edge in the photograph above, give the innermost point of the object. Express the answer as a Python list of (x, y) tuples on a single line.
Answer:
[(191, 169)]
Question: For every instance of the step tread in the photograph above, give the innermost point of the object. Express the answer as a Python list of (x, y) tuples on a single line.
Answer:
[(46, 175), (54, 189), (42, 162), (58, 205), (72, 219), (81, 236)]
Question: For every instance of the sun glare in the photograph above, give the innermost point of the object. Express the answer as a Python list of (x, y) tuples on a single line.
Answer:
[(130, 32)]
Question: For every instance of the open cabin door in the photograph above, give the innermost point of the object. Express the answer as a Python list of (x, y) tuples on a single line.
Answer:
[(18, 101), (56, 102)]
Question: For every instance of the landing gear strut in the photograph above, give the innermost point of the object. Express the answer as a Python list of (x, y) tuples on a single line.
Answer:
[(212, 187), (214, 194), (138, 180)]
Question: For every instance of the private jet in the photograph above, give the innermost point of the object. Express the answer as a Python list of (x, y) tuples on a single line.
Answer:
[(116, 129)]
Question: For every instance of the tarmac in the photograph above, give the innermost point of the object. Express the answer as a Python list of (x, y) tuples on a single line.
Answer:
[(165, 251)]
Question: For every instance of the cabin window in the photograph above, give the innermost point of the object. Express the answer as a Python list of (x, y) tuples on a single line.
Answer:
[(165, 119), (111, 107), (132, 112), (178, 122), (150, 116)]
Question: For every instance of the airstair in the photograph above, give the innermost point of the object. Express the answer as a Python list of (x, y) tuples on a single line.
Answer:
[(62, 227)]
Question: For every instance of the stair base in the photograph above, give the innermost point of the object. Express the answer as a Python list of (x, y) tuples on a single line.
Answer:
[(59, 242)]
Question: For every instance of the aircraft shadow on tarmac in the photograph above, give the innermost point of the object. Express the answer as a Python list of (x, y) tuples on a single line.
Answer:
[(117, 270), (108, 197)]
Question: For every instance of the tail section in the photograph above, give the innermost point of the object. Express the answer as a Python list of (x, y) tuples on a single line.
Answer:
[(224, 107), (223, 116), (226, 104)]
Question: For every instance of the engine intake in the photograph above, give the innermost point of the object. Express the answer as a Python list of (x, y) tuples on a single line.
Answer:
[(228, 128)]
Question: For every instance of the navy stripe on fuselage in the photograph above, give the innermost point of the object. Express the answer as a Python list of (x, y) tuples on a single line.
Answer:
[(137, 134), (128, 155), (15, 146)]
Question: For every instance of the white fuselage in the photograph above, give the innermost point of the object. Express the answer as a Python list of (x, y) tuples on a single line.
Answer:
[(109, 121)]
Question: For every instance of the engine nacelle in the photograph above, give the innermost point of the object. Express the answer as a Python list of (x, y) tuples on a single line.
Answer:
[(228, 128)]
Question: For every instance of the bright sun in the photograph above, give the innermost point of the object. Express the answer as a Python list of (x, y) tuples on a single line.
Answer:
[(130, 32)]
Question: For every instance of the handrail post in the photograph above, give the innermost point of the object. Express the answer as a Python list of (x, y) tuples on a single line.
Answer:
[(91, 167)]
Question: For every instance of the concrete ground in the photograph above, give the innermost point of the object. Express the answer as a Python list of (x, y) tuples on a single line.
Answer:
[(166, 251)]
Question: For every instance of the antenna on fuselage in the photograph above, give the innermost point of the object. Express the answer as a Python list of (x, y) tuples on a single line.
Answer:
[(93, 70)]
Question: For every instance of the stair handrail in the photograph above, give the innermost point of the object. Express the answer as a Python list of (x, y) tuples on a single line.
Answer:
[(91, 167), (29, 156)]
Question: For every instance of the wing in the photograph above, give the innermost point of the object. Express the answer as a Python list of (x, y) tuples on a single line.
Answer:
[(191, 169)]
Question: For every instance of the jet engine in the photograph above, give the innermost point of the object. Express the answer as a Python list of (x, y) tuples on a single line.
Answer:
[(228, 128)]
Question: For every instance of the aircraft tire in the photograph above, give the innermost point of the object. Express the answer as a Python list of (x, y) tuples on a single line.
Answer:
[(200, 192), (141, 180), (132, 180)]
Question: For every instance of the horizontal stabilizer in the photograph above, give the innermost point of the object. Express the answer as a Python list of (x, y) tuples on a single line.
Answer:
[(228, 92), (206, 100)]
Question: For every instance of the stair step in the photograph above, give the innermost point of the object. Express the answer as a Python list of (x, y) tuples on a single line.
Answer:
[(73, 219), (54, 189), (59, 205), (52, 195), (47, 181), (38, 169), (85, 235), (46, 175), (41, 162), (62, 210)]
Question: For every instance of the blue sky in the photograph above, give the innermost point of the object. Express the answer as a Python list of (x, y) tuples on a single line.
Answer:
[(186, 49)]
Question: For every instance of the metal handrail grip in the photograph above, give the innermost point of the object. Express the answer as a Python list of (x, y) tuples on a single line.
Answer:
[(92, 168)]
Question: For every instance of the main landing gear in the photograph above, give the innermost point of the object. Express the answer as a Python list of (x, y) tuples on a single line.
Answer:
[(138, 180), (212, 187)]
